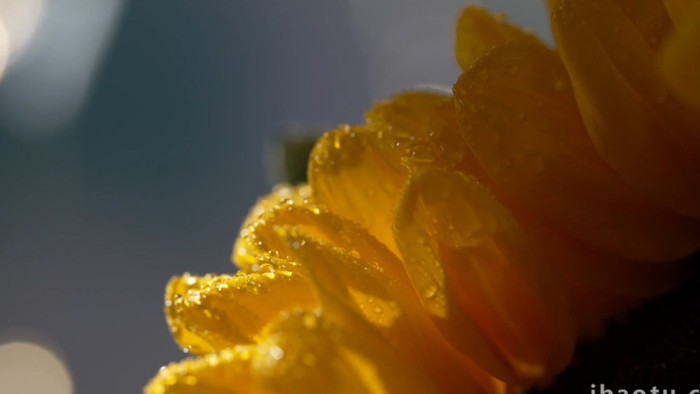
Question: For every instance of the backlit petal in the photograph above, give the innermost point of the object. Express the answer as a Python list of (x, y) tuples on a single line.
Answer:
[(680, 59), (301, 352), (247, 250), (677, 9), (609, 49), (488, 290), (518, 115), (226, 372), (322, 357), (479, 30), (210, 313), (423, 128), (354, 176), (349, 286), (358, 172)]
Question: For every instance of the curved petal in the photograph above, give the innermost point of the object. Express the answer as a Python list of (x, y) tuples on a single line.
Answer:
[(527, 133), (609, 49), (301, 352), (247, 252), (488, 291), (211, 313), (353, 175), (424, 127), (478, 31), (680, 58), (225, 372), (354, 275), (322, 357), (269, 236), (359, 172), (349, 286), (677, 9)]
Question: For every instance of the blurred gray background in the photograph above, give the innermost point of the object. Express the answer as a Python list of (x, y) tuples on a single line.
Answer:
[(133, 139)]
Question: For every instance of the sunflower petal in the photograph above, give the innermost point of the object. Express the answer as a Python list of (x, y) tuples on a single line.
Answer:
[(476, 273), (225, 372), (354, 275), (349, 286), (247, 251), (478, 31), (609, 49), (358, 172), (527, 133), (320, 356), (353, 176), (423, 126), (210, 313), (677, 9), (680, 59), (301, 352)]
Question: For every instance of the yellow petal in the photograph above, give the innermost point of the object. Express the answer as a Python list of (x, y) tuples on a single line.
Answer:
[(301, 352), (358, 172), (677, 9), (341, 259), (356, 275), (680, 58), (354, 176), (609, 49), (270, 236), (319, 356), (489, 292), (210, 313), (519, 116), (349, 286), (423, 126), (246, 251), (478, 31), (226, 372)]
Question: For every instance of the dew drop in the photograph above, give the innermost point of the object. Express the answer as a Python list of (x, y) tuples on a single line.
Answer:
[(276, 352), (430, 290)]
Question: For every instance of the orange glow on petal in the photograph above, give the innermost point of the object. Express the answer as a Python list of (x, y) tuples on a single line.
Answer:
[(479, 30), (609, 49), (343, 360), (477, 274), (522, 123), (680, 58), (247, 251), (352, 176), (677, 9), (210, 313)]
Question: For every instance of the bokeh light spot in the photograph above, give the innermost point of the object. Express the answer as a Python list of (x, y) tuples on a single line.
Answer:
[(30, 368)]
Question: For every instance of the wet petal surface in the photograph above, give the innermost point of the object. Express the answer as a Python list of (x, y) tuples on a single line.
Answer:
[(481, 280), (349, 285), (213, 312), (519, 116), (301, 352), (353, 175), (609, 49), (680, 59), (479, 31)]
